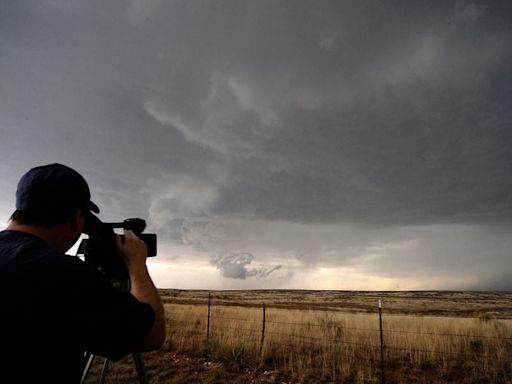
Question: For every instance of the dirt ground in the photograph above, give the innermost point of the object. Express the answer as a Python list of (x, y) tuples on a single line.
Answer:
[(174, 368)]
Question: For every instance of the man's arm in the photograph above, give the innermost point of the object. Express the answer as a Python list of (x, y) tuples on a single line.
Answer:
[(134, 252)]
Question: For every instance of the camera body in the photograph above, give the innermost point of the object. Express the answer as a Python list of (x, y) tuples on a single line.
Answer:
[(99, 250)]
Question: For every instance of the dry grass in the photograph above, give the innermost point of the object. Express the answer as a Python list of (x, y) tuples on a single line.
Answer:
[(306, 345), (452, 304), (344, 347)]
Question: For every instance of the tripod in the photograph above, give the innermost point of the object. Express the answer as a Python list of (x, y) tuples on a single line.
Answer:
[(137, 359), (123, 283)]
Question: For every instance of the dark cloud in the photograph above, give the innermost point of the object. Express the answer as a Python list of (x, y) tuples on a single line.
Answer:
[(401, 122), (499, 282), (204, 115), (376, 114)]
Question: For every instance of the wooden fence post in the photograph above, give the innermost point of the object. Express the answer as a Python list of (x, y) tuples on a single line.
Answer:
[(208, 323), (263, 330), (382, 376)]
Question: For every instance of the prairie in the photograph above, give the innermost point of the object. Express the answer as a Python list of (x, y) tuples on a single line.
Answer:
[(330, 337)]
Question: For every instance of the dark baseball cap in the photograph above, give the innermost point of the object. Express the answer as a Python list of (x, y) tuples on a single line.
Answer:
[(53, 188)]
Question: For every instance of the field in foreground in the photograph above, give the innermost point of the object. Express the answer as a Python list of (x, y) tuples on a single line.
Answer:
[(330, 337)]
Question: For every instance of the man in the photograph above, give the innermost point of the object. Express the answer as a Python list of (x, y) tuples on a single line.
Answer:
[(53, 307)]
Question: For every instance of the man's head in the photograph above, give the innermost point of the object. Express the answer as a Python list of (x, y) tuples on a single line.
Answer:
[(48, 195), (52, 196)]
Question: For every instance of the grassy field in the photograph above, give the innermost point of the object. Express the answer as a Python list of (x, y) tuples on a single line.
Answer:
[(330, 337)]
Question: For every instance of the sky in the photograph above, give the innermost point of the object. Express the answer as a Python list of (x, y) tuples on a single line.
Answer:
[(355, 145)]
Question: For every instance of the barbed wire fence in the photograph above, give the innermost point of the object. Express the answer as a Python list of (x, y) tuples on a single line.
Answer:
[(261, 329)]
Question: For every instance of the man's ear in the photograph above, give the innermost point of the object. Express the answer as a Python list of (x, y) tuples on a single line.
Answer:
[(77, 220)]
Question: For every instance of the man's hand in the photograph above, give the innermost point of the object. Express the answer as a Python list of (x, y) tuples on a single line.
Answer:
[(134, 251)]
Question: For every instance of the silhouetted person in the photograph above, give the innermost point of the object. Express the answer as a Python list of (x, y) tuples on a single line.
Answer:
[(53, 307)]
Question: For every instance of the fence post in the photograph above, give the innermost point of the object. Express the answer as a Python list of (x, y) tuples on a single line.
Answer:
[(382, 376), (208, 323), (263, 330)]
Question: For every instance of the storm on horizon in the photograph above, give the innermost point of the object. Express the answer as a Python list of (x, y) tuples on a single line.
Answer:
[(345, 145)]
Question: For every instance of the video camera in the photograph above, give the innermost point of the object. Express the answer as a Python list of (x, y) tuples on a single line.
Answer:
[(99, 250)]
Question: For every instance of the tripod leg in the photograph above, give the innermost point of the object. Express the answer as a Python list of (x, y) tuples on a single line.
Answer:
[(89, 358), (139, 365), (104, 371)]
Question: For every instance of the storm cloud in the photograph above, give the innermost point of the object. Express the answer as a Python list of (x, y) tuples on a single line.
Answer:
[(235, 265), (253, 135), (399, 108)]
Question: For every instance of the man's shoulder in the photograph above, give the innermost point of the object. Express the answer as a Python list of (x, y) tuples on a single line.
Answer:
[(23, 253), (19, 250), (11, 241)]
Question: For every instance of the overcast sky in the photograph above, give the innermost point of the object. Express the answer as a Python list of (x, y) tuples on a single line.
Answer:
[(276, 144)]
